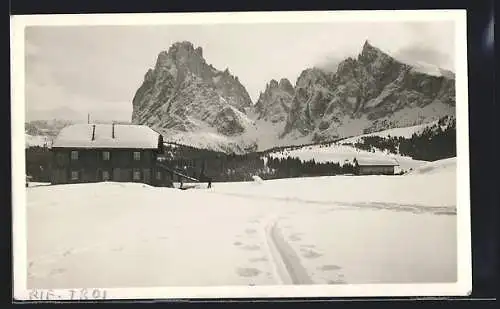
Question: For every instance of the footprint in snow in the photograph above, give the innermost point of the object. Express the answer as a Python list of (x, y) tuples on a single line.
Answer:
[(310, 254), (250, 231), (258, 259), (295, 237), (337, 281), (57, 271), (308, 246), (329, 267), (251, 247), (248, 272)]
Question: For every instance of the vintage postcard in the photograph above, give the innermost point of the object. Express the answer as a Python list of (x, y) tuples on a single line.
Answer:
[(240, 155)]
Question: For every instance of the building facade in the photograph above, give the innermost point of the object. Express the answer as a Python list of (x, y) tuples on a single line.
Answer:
[(100, 152), (374, 167), (376, 170)]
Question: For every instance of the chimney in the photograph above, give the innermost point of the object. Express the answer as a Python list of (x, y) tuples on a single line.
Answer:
[(88, 118), (113, 130), (93, 132)]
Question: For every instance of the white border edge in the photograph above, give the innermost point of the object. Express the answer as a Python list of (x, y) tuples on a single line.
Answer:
[(19, 239), (461, 288)]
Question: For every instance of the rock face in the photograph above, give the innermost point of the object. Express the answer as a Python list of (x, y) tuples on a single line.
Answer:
[(190, 101), (185, 94), (274, 104), (371, 93)]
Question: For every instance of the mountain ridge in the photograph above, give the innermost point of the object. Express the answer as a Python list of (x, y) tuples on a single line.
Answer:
[(189, 100)]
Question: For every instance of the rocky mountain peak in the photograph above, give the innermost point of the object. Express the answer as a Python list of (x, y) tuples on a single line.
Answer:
[(367, 45), (273, 83), (372, 92), (274, 103), (149, 75), (286, 86), (312, 76), (179, 46), (185, 94), (370, 53)]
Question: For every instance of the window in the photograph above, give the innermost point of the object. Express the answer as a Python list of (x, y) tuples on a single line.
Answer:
[(105, 175), (158, 175), (60, 158), (137, 175), (105, 155), (137, 155), (74, 155), (74, 175)]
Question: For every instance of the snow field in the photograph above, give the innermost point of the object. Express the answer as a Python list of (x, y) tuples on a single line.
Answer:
[(147, 240), (333, 230)]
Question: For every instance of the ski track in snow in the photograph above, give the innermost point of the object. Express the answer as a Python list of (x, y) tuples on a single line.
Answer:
[(440, 210), (285, 258), (286, 263)]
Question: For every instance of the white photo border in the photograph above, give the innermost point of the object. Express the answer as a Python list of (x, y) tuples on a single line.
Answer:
[(462, 287)]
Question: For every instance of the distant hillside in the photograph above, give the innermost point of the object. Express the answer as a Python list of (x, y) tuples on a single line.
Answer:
[(434, 141), (45, 127)]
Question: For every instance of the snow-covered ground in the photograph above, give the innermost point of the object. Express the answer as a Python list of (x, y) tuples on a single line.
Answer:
[(325, 230), (437, 167)]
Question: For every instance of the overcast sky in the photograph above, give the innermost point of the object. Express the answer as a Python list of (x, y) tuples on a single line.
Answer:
[(97, 69)]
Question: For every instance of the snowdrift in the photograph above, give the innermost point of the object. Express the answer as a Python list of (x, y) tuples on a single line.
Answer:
[(440, 166), (257, 179)]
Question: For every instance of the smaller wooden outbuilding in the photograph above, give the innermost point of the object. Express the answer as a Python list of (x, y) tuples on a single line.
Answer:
[(374, 166)]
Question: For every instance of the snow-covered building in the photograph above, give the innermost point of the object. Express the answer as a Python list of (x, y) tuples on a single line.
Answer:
[(372, 166), (108, 152)]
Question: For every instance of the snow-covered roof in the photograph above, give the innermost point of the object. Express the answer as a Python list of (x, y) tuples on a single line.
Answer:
[(126, 136), (377, 162)]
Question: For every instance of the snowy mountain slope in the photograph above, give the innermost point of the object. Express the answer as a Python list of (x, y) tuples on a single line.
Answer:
[(338, 153), (45, 127), (37, 140), (209, 139), (405, 132), (343, 150)]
